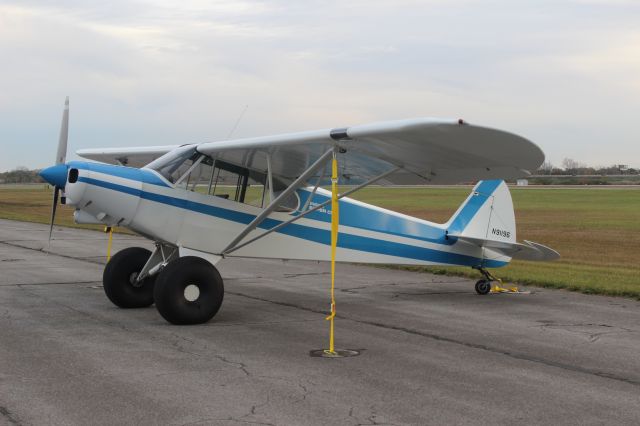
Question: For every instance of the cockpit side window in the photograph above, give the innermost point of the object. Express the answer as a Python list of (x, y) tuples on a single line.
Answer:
[(174, 164), (188, 169)]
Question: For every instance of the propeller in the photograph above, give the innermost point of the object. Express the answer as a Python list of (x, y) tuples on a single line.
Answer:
[(54, 205), (61, 156), (57, 175)]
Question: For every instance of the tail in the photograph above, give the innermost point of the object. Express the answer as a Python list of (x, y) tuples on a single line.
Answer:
[(486, 219)]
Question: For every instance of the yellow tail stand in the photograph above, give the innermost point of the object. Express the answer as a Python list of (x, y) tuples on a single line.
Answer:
[(109, 230), (332, 352)]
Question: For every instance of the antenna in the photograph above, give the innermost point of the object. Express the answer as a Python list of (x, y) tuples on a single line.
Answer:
[(235, 126)]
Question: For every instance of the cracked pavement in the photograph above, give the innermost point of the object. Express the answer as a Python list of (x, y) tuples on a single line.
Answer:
[(433, 352)]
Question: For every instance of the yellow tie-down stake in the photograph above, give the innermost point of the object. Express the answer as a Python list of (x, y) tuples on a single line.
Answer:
[(334, 243), (109, 230), (497, 288)]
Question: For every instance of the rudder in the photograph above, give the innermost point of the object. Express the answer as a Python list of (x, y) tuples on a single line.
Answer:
[(487, 214)]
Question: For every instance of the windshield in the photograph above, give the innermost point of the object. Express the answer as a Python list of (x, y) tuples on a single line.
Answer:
[(175, 163)]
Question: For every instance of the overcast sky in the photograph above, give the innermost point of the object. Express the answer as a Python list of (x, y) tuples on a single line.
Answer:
[(564, 74)]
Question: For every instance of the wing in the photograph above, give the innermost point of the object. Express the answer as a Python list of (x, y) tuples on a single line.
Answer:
[(132, 156), (428, 151)]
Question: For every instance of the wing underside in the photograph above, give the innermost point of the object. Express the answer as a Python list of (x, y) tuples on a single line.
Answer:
[(425, 151)]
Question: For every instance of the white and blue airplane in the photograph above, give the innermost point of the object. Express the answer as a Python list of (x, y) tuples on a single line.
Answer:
[(263, 198)]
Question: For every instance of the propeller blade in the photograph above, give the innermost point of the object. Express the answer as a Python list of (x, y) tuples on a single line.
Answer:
[(61, 156), (53, 210)]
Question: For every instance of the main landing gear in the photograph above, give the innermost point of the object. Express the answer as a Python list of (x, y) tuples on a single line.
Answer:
[(186, 290), (120, 279)]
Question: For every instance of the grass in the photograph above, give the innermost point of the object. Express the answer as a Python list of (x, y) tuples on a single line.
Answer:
[(32, 203), (596, 230)]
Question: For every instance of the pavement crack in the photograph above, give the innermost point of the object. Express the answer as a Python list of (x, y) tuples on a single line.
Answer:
[(305, 393), (588, 330), (176, 344), (276, 302), (237, 364), (371, 419), (253, 412), (9, 416), (426, 293), (42, 250), (478, 346), (46, 284), (308, 274), (354, 290)]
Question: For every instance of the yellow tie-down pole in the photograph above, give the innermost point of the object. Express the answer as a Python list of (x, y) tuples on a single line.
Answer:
[(332, 352), (109, 230), (335, 220)]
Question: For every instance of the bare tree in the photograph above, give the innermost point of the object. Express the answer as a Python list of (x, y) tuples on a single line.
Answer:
[(571, 164), (546, 168)]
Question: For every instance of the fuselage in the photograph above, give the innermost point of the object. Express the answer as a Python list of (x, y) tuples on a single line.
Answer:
[(147, 203)]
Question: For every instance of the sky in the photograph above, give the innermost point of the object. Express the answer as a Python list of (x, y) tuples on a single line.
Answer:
[(564, 74)]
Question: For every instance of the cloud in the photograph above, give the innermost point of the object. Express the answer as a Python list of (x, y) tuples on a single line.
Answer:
[(163, 72)]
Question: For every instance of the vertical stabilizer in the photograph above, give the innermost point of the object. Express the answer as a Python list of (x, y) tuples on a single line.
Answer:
[(487, 214)]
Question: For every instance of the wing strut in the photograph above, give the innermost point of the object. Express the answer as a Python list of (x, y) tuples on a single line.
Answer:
[(313, 209), (320, 162)]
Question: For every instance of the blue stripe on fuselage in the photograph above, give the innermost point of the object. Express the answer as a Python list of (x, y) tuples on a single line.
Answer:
[(484, 191), (361, 217), (131, 173), (348, 241)]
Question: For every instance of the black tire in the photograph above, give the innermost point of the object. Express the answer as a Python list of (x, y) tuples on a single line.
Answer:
[(483, 287), (119, 275), (171, 291)]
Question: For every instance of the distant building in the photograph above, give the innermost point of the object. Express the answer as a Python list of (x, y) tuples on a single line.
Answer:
[(522, 182)]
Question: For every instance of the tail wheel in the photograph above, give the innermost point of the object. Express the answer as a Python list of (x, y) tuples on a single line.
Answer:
[(483, 287), (119, 279), (189, 290)]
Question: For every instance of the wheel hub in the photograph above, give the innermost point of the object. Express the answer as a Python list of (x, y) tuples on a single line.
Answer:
[(191, 292), (133, 279)]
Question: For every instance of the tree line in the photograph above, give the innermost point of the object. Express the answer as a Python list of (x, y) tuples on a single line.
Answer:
[(21, 175), (572, 167), (568, 167)]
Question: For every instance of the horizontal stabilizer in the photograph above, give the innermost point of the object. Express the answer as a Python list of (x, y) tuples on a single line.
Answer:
[(522, 251)]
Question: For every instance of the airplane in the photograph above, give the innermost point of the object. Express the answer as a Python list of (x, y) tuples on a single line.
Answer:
[(263, 197)]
